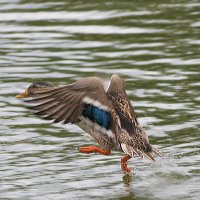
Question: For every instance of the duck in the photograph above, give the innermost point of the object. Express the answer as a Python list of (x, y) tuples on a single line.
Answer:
[(101, 109)]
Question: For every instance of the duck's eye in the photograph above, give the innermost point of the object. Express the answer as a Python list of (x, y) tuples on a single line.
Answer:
[(31, 92)]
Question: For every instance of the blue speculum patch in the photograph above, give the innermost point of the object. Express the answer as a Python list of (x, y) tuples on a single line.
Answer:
[(97, 115)]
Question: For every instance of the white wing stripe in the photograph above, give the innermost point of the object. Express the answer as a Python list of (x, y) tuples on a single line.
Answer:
[(95, 103)]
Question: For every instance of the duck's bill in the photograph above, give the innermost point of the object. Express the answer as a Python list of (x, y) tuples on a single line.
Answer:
[(22, 95)]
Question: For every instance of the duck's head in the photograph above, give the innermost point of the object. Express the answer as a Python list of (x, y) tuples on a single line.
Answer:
[(34, 88)]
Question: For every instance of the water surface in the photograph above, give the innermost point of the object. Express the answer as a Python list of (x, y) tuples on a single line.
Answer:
[(154, 46)]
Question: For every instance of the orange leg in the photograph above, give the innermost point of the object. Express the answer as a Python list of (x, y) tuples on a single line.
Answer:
[(124, 166), (94, 149)]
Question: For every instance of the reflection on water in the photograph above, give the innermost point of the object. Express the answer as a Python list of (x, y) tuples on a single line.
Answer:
[(127, 179), (153, 45)]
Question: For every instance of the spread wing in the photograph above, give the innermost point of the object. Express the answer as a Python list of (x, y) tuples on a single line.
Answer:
[(125, 112), (138, 140), (67, 103), (117, 95)]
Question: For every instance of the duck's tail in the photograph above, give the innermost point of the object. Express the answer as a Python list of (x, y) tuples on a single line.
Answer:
[(149, 152)]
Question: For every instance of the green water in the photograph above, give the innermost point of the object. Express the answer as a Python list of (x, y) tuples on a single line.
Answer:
[(153, 45)]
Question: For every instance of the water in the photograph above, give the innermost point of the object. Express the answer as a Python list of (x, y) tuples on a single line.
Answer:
[(154, 46)]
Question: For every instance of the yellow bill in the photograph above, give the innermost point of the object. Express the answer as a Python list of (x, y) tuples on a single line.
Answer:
[(23, 95)]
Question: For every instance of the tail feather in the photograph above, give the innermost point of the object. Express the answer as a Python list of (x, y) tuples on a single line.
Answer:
[(126, 149), (157, 152), (148, 155), (136, 152), (140, 153)]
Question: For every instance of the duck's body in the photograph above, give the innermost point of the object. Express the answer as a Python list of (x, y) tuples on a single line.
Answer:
[(104, 113)]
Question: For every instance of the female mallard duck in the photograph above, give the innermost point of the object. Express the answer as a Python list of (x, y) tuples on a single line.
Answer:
[(104, 113)]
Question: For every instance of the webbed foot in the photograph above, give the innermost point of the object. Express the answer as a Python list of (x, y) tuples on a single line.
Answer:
[(94, 149), (124, 166)]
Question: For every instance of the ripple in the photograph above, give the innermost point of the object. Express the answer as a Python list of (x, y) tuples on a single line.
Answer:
[(90, 29), (68, 16), (153, 46)]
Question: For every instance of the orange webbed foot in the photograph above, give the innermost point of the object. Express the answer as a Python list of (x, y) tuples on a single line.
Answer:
[(93, 149), (124, 166)]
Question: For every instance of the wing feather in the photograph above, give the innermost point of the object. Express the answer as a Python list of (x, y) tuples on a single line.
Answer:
[(132, 130), (66, 103)]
